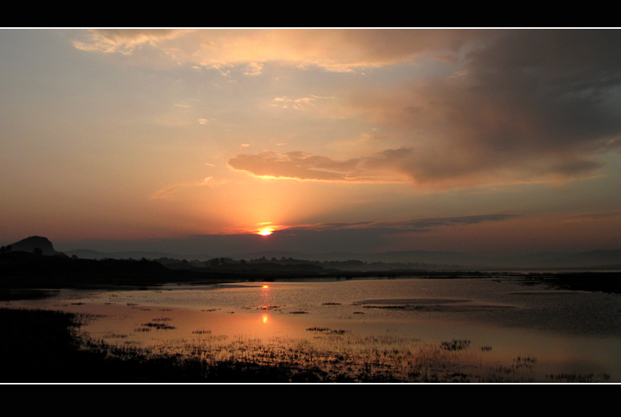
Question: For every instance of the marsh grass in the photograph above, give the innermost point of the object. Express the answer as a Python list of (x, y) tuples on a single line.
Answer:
[(328, 356), (455, 344), (572, 377)]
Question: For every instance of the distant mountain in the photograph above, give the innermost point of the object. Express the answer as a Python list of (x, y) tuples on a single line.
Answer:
[(423, 256), (587, 259), (278, 254), (33, 242), (420, 256), (92, 254), (598, 259)]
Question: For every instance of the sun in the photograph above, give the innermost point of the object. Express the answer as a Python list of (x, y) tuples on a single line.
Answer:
[(266, 231)]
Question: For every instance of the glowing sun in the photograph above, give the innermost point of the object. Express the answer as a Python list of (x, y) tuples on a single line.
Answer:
[(266, 231)]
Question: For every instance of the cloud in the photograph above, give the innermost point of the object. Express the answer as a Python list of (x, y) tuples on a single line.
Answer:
[(426, 224), (593, 216), (304, 166), (368, 236), (124, 41), (297, 103), (405, 165), (532, 105), (331, 49), (520, 105), (410, 225), (172, 190)]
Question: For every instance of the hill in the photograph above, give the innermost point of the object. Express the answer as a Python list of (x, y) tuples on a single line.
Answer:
[(32, 243)]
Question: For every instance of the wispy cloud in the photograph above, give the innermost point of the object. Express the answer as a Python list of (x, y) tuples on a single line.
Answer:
[(593, 216), (125, 41), (425, 224), (170, 191), (304, 166), (297, 103), (331, 49)]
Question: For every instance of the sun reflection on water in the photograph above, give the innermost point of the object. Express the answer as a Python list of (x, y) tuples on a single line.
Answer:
[(266, 295)]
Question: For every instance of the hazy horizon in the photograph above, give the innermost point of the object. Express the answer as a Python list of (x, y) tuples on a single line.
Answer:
[(478, 141)]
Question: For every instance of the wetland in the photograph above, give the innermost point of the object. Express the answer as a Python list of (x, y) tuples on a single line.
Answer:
[(497, 328)]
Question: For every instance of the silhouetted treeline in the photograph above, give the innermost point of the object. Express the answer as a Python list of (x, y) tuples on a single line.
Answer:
[(283, 263), (30, 270)]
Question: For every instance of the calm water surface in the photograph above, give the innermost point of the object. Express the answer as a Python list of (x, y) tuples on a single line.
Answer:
[(564, 332)]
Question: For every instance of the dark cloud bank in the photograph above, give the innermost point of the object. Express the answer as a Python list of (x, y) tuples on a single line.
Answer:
[(363, 237)]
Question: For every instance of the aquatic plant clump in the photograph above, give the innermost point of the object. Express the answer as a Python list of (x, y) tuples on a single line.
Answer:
[(334, 356)]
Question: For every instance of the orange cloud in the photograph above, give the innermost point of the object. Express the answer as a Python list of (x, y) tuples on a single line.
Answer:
[(124, 41), (304, 166), (332, 49), (170, 190)]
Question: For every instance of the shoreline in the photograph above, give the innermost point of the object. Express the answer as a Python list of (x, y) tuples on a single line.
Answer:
[(13, 288)]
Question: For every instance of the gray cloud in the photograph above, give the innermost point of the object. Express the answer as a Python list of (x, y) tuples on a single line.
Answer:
[(366, 236), (529, 105), (427, 224), (523, 105), (416, 225)]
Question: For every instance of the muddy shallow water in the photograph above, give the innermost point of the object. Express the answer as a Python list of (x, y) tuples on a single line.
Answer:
[(498, 328)]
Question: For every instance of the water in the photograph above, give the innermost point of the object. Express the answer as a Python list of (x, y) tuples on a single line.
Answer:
[(505, 325)]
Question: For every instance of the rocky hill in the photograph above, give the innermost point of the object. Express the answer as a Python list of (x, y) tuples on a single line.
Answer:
[(32, 243)]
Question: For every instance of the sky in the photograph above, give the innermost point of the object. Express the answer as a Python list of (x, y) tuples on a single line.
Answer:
[(195, 140)]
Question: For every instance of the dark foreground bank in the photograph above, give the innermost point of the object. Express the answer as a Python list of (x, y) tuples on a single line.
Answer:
[(40, 346)]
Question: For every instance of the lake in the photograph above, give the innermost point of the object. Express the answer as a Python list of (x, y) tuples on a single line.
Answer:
[(445, 330)]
